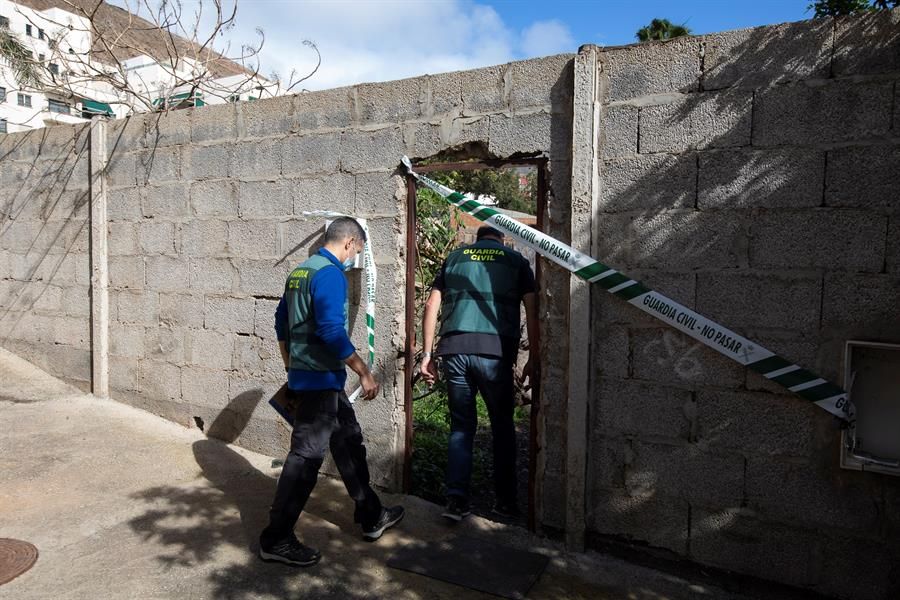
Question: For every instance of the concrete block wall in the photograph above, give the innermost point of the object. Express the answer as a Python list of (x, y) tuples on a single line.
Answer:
[(748, 175), (44, 261)]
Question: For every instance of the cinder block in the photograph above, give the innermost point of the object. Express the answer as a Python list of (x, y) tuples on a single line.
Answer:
[(72, 332), (214, 198), (444, 94), (204, 387), (49, 300), (126, 340), (484, 90), (671, 357), (610, 350), (310, 154), (157, 237), (660, 521), (861, 177), (391, 102), (259, 158), (265, 199), (521, 133), (121, 167), (124, 204), (697, 121), (165, 343), (818, 496), (892, 260), (253, 239), (330, 192), (298, 239), (210, 349), (167, 274), (214, 123), (654, 182), (247, 357), (735, 539), (262, 277), (631, 408), (837, 111), (765, 424), (208, 162), (541, 82), (688, 472), (761, 56), (160, 380), (770, 300), (379, 193), (212, 275), (826, 238), (264, 318), (862, 305), (126, 133), (859, 566), (385, 235), (170, 128), (652, 68), (140, 307), (363, 150), (867, 43), (619, 131), (123, 373), (184, 310), (77, 301), (158, 165), (121, 238), (776, 178), (324, 109), (203, 237), (423, 140), (800, 349), (229, 314), (126, 272), (674, 240), (166, 201), (269, 117)]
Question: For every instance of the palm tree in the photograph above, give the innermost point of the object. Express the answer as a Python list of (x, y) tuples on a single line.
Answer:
[(661, 29), (19, 59)]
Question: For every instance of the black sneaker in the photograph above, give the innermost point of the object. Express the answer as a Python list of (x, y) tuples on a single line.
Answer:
[(507, 510), (389, 518), (290, 552), (457, 509)]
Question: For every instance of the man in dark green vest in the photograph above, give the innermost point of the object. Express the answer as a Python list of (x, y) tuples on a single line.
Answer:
[(311, 324), (478, 293)]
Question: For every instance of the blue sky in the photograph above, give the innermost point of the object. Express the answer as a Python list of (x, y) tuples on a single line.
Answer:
[(380, 40)]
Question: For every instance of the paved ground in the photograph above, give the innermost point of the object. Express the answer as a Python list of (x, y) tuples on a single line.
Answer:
[(122, 504)]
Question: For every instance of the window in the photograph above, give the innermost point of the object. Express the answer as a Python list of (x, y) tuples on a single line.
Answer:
[(51, 44), (54, 68), (58, 106), (234, 98), (4, 22), (41, 57), (41, 34), (3, 126), (28, 30), (24, 100), (71, 51), (2, 94)]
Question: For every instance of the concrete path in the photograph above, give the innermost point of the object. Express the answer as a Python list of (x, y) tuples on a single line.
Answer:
[(122, 504)]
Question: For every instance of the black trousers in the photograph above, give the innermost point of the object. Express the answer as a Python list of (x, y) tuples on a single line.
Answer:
[(322, 418)]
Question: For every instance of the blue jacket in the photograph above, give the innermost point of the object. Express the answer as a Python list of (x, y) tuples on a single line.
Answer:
[(329, 291)]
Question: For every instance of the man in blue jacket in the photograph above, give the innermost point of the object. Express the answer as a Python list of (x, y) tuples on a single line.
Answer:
[(311, 323)]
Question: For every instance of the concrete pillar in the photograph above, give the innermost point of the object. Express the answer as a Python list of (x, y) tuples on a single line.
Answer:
[(585, 124), (99, 268)]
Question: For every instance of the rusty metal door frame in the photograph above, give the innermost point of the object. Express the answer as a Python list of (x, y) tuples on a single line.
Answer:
[(540, 165)]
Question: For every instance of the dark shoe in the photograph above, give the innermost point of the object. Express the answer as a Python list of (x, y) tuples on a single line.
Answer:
[(507, 510), (290, 552), (389, 518), (457, 509)]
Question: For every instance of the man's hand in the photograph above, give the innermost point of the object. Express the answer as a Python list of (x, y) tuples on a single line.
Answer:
[(529, 372), (428, 370), (370, 386)]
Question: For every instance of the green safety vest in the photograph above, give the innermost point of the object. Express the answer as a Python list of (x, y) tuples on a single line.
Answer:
[(307, 351), (481, 290)]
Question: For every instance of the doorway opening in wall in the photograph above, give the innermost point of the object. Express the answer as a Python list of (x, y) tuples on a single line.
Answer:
[(517, 187)]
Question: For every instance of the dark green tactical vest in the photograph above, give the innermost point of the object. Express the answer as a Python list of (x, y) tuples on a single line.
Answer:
[(481, 290), (307, 350)]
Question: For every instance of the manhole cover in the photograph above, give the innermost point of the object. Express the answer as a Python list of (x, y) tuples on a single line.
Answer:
[(16, 557)]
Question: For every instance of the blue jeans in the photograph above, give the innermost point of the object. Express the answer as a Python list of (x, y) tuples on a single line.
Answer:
[(467, 374)]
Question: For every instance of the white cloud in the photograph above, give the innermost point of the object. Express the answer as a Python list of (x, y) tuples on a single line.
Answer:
[(381, 40)]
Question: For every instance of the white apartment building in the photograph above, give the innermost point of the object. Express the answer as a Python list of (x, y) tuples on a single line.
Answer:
[(60, 42)]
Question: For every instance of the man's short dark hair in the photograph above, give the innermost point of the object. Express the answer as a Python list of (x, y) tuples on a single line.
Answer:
[(488, 231), (343, 228)]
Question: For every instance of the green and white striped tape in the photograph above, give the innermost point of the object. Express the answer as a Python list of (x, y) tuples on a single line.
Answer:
[(371, 285), (736, 347)]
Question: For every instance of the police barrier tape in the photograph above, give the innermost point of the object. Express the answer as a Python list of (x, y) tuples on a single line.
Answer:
[(371, 285), (823, 393)]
